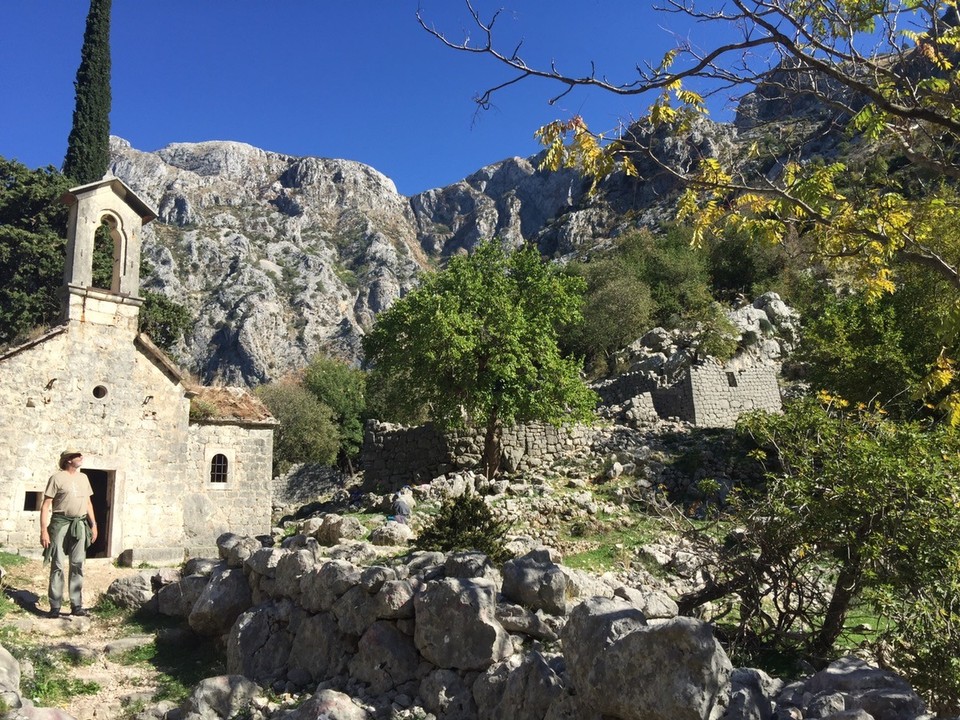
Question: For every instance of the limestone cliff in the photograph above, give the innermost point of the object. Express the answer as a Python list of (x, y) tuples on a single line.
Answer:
[(279, 257)]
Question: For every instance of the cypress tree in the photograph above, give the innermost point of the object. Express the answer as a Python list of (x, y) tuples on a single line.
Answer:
[(88, 149)]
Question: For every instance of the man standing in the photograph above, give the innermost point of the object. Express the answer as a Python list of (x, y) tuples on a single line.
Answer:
[(67, 528)]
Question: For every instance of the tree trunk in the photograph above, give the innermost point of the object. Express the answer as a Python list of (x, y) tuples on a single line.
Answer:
[(848, 583), (492, 445)]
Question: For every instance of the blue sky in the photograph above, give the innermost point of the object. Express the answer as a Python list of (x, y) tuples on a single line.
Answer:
[(355, 79)]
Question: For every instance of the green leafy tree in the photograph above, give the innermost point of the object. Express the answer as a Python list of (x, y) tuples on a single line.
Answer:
[(164, 320), (876, 351), (342, 389), (307, 432), (856, 509), (88, 147), (32, 239), (478, 342), (882, 75)]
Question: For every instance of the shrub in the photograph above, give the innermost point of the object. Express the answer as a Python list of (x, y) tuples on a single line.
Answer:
[(307, 432), (465, 523)]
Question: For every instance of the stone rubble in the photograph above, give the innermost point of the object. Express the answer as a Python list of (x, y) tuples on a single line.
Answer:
[(450, 637)]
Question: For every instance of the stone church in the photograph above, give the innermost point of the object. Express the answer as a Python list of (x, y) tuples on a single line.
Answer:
[(172, 464)]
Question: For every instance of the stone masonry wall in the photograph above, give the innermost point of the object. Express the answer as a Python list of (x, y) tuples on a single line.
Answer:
[(393, 455), (90, 387), (243, 503), (719, 395)]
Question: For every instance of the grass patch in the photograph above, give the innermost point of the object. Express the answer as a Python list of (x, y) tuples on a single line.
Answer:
[(106, 609), (180, 666), (609, 542), (50, 683), (8, 559)]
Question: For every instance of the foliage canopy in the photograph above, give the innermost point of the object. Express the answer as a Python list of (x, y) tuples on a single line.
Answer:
[(478, 343), (342, 389), (883, 75), (857, 509), (307, 431)]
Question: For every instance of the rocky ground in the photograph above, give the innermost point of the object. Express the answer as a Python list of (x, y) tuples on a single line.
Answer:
[(98, 642)]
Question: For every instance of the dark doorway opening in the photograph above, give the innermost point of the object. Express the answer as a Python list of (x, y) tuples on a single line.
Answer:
[(102, 483)]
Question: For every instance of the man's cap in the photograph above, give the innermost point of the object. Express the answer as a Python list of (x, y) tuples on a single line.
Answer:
[(68, 454)]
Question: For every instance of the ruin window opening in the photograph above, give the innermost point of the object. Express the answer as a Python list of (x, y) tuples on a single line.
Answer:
[(218, 468), (100, 392), (106, 255), (32, 500), (732, 379)]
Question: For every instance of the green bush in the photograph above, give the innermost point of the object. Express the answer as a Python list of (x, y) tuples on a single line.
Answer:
[(341, 388), (465, 523), (307, 433), (859, 512)]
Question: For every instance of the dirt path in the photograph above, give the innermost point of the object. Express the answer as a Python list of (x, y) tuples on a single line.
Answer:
[(99, 642)]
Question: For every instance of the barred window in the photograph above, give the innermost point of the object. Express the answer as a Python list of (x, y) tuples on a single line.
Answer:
[(218, 468)]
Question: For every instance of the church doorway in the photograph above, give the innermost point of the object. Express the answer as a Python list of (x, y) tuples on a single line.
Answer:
[(102, 482)]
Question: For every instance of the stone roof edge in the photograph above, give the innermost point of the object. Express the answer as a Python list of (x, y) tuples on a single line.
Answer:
[(146, 344), (36, 341), (244, 422), (122, 190)]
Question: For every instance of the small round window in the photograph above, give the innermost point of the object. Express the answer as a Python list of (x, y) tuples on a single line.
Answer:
[(100, 392)]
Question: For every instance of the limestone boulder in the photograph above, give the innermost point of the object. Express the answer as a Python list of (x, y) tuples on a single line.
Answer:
[(291, 568), (752, 695), (320, 587), (235, 549), (131, 592), (522, 686), (373, 578), (223, 599), (225, 696), (177, 599), (651, 602), (9, 679), (320, 648), (331, 705), (394, 600), (457, 626), (385, 658), (264, 561), (391, 533), (517, 619), (537, 583), (355, 610), (880, 693), (620, 666), (334, 529), (445, 694), (471, 564), (259, 643)]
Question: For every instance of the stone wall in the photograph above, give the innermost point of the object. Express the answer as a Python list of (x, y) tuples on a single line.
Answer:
[(719, 395), (708, 394), (393, 455), (243, 503), (305, 483), (91, 387)]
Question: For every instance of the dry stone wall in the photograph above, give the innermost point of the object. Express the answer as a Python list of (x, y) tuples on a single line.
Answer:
[(451, 636), (394, 455)]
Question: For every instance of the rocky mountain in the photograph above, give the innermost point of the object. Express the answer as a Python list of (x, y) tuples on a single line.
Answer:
[(279, 257)]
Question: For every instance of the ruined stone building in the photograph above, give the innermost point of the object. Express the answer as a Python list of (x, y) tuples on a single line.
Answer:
[(165, 481)]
